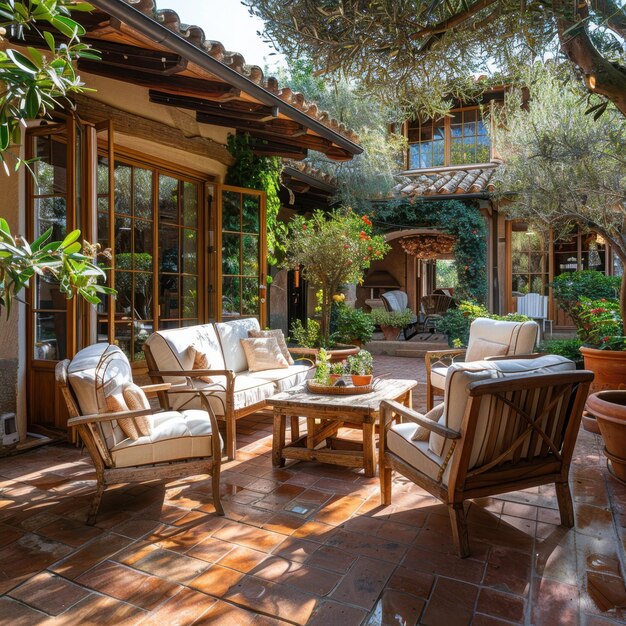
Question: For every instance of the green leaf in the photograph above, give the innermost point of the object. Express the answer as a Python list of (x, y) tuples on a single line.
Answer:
[(73, 248), (70, 238), (23, 62), (33, 102), (49, 37), (67, 26), (36, 245), (5, 137)]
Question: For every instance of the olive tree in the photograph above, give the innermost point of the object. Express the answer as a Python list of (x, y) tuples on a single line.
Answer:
[(561, 166)]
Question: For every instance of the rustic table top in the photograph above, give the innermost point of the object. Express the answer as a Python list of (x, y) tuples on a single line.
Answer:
[(384, 389)]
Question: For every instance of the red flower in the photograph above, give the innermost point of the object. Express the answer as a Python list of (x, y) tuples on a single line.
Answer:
[(605, 339), (366, 220), (363, 235), (369, 248)]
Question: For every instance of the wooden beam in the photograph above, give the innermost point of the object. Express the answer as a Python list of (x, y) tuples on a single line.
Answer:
[(143, 128), (194, 87), (136, 58), (276, 128), (235, 110)]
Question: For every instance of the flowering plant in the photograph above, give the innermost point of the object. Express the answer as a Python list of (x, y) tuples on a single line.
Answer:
[(332, 249), (600, 323)]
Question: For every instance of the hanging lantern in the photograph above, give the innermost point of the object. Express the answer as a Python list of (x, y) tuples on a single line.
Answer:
[(428, 246)]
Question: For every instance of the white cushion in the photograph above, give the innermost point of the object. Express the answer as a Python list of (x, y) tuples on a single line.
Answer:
[(415, 453), (249, 390), (484, 348), (284, 379), (438, 377), (230, 335), (173, 436), (98, 371), (174, 349), (460, 375), (521, 337), (263, 353)]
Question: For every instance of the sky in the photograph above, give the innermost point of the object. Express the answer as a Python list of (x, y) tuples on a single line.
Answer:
[(227, 21)]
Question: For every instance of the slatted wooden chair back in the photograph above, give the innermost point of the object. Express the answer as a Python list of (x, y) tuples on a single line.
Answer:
[(435, 304), (533, 305), (518, 429)]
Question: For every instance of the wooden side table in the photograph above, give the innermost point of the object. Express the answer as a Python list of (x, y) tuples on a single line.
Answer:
[(325, 415)]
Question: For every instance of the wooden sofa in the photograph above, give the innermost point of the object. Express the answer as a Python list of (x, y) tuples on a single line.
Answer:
[(234, 391)]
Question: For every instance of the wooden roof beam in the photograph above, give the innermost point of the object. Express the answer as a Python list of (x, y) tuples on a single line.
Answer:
[(180, 85), (276, 128), (133, 57)]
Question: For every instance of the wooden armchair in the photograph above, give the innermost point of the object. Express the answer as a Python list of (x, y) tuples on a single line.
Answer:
[(488, 338), (176, 444), (505, 425)]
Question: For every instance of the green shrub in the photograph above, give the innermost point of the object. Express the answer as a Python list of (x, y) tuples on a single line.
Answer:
[(352, 324), (569, 348), (569, 288), (305, 337), (396, 319), (456, 323)]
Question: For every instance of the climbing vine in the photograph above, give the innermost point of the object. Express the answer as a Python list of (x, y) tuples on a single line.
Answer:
[(263, 173), (455, 218)]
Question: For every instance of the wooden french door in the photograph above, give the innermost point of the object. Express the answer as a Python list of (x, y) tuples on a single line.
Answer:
[(241, 254)]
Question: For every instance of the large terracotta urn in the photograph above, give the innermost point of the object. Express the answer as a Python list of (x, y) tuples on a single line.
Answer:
[(609, 408), (609, 368)]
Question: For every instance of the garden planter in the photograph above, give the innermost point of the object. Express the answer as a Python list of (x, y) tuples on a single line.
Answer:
[(361, 381), (609, 367), (609, 407), (337, 354), (391, 332)]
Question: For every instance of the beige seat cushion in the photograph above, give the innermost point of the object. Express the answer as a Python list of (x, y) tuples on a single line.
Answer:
[(263, 353), (249, 390), (438, 377), (280, 338), (415, 453), (136, 400), (174, 436), (284, 379)]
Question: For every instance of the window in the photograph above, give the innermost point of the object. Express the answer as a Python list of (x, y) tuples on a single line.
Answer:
[(446, 276), (243, 287), (459, 139), (529, 261), (155, 245)]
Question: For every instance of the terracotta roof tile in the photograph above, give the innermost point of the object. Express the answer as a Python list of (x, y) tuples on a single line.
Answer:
[(448, 183), (237, 62)]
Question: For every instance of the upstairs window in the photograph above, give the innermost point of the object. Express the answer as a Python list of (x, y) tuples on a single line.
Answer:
[(458, 139)]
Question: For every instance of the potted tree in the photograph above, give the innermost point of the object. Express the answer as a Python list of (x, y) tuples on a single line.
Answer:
[(392, 322), (331, 250)]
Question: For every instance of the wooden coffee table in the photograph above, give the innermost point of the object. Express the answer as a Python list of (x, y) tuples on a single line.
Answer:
[(325, 415)]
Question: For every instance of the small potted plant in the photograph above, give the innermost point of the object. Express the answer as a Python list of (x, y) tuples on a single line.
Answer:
[(336, 371), (392, 322), (361, 366)]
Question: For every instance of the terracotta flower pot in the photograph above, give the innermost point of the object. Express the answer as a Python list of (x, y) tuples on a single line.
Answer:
[(391, 332), (609, 367), (609, 407), (361, 381)]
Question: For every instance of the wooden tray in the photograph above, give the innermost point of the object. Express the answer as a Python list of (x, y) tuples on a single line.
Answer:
[(314, 387)]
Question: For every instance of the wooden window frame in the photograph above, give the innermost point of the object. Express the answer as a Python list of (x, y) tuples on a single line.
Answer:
[(447, 141)]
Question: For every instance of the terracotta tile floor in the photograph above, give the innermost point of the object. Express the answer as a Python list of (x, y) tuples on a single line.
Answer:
[(304, 544)]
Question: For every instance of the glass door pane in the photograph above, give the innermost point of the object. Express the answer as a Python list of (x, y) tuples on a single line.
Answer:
[(50, 202), (242, 264)]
